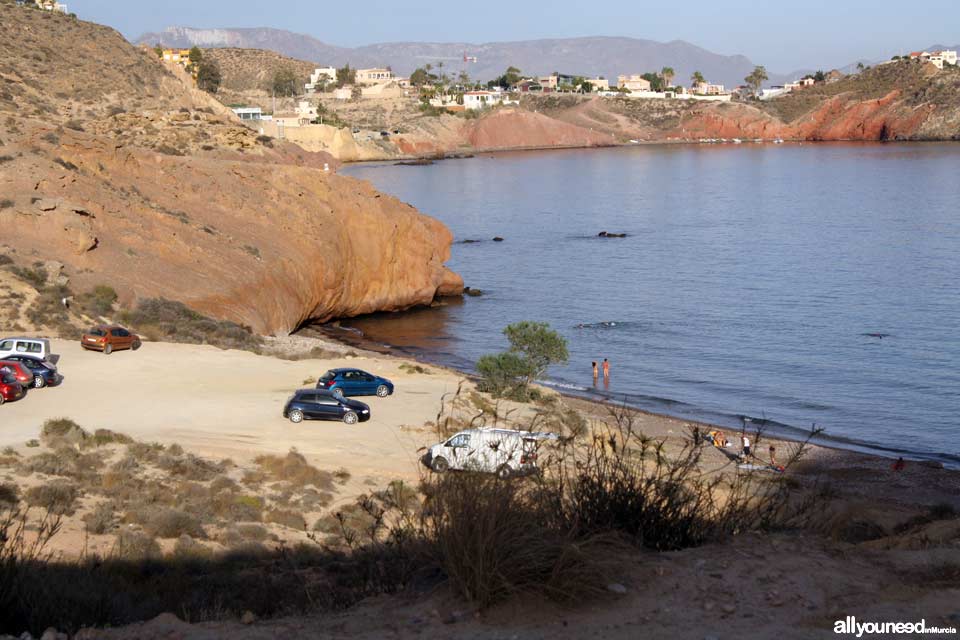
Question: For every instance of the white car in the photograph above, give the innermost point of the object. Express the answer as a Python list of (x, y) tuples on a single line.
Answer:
[(34, 347), (501, 451)]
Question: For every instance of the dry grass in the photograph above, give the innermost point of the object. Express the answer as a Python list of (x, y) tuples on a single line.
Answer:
[(58, 497), (287, 518), (294, 469)]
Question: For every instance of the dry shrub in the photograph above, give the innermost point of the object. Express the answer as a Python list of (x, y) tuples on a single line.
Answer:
[(58, 497), (169, 321), (103, 437), (238, 508), (165, 522), (254, 532), (67, 462), (342, 476), (294, 469), (189, 466), (496, 540), (58, 432), (101, 519), (287, 518), (9, 495), (186, 548), (145, 452), (135, 546), (223, 483)]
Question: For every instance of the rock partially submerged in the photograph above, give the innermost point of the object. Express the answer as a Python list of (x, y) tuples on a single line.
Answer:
[(607, 234)]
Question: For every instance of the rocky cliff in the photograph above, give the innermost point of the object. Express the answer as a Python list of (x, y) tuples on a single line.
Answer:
[(113, 165)]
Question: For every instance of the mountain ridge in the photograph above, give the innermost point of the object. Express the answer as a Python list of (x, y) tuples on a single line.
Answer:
[(608, 56)]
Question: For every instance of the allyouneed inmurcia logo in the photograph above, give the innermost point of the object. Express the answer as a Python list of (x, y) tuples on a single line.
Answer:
[(850, 626)]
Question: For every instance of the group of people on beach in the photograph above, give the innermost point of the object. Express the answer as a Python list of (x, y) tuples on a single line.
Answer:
[(606, 372), (719, 439)]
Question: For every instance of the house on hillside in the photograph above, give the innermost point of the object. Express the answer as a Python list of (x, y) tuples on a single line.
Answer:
[(322, 73), (474, 100), (249, 113), (176, 56), (707, 89), (374, 76), (51, 6), (936, 58), (633, 82)]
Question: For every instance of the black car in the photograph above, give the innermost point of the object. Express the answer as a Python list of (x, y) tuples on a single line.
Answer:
[(316, 404), (44, 372)]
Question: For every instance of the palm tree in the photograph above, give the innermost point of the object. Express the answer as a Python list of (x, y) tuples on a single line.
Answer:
[(757, 77), (697, 79), (667, 74)]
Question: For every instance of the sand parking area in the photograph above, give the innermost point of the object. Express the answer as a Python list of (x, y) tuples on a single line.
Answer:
[(228, 404)]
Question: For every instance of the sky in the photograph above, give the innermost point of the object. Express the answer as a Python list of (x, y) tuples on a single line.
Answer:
[(783, 37)]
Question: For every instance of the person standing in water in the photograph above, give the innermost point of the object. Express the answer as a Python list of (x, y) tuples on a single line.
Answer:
[(596, 373), (606, 370)]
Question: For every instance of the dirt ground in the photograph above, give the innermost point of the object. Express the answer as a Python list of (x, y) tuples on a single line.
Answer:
[(863, 558)]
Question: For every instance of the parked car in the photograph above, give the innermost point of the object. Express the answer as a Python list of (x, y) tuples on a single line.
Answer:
[(504, 452), (354, 382), (10, 389), (20, 372), (34, 347), (109, 338), (315, 404), (41, 372)]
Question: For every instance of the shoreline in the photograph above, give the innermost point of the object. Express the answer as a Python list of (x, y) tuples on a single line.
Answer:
[(464, 154), (770, 430)]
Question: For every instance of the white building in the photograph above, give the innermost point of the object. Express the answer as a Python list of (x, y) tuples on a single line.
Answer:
[(940, 58), (374, 76), (327, 73), (633, 83), (52, 6), (773, 92), (249, 113), (473, 100)]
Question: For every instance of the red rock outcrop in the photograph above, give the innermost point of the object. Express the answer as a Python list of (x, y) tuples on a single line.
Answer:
[(262, 243)]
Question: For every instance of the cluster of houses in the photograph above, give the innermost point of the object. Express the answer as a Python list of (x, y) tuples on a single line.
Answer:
[(936, 58), (379, 82), (46, 5)]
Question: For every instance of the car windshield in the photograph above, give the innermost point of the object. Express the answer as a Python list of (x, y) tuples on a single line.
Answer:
[(329, 375), (97, 332)]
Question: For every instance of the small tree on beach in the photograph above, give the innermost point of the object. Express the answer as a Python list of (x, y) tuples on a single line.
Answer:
[(534, 346)]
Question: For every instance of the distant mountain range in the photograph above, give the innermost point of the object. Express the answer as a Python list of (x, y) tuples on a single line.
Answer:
[(589, 56)]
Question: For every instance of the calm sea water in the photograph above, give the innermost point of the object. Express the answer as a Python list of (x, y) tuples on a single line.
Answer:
[(747, 285)]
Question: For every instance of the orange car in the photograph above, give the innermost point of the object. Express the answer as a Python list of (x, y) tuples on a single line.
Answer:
[(109, 338)]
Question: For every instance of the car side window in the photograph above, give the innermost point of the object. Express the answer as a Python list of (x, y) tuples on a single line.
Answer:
[(34, 347), (462, 440), (124, 333), (6, 346), (21, 347), (308, 397), (115, 332)]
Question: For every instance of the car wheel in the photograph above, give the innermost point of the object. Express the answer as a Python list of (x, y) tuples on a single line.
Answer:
[(504, 472), (338, 392), (439, 465), (2, 400), (39, 382), (108, 349), (383, 391), (296, 416), (136, 345), (350, 417)]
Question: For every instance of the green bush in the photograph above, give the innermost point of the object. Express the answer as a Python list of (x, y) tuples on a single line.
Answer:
[(534, 346), (504, 375), (167, 320)]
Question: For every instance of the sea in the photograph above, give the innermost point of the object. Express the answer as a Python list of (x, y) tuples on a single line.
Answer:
[(783, 286)]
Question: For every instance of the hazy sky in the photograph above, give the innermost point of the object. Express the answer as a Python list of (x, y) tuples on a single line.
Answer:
[(782, 36)]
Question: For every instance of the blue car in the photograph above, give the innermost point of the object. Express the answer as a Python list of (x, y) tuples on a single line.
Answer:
[(313, 404), (354, 382)]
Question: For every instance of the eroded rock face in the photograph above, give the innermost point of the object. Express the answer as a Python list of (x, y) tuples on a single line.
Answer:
[(268, 242)]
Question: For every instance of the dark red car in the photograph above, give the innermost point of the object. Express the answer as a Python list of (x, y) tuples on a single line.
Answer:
[(19, 370), (10, 389)]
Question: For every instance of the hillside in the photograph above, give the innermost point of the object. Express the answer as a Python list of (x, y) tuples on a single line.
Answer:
[(246, 70), (607, 56), (116, 167)]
